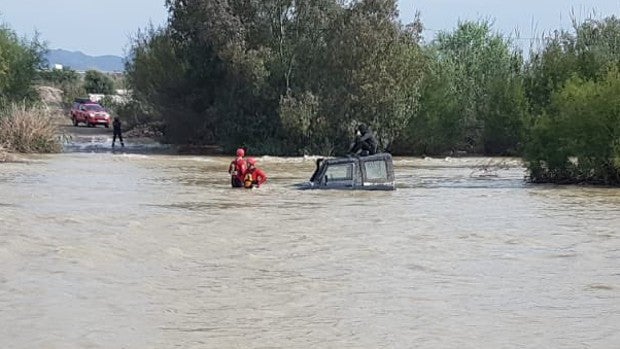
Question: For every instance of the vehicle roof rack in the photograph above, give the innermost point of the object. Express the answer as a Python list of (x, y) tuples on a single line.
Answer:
[(83, 100)]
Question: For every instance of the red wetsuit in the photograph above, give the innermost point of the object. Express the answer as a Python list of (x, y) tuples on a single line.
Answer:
[(237, 169), (258, 177)]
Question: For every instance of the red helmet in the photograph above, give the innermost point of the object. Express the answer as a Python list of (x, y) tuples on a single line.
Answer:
[(240, 152), (251, 161)]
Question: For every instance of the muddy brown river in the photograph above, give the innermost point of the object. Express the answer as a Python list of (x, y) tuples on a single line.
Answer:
[(141, 250)]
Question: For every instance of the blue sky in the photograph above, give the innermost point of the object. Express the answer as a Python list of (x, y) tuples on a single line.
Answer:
[(104, 26)]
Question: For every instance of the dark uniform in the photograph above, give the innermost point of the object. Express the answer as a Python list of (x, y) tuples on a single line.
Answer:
[(117, 132), (365, 142)]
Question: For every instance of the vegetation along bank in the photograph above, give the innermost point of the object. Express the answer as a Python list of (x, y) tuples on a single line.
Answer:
[(296, 79)]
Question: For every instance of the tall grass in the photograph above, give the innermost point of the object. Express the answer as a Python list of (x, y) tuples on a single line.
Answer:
[(4, 156), (28, 129)]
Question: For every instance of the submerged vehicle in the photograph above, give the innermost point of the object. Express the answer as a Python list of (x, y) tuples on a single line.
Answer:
[(373, 172)]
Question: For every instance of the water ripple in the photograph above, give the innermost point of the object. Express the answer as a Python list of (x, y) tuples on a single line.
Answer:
[(154, 251)]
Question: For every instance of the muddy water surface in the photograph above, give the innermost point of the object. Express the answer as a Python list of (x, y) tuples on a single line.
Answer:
[(126, 250)]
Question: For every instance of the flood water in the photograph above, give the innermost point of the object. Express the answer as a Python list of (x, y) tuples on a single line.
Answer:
[(128, 250)]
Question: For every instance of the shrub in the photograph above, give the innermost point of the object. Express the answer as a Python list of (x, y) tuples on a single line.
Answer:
[(579, 141), (97, 82), (28, 129)]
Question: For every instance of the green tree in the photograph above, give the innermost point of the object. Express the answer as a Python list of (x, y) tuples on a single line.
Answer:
[(580, 141), (373, 71), (331, 77), (98, 82), (588, 51), (156, 73), (19, 61), (472, 96), (275, 73), (572, 86), (434, 128), (216, 74)]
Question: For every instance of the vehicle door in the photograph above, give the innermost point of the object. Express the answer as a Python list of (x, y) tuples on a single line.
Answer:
[(339, 175), (377, 173), (82, 113)]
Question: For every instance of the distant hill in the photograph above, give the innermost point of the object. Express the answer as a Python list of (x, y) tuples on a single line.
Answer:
[(79, 61)]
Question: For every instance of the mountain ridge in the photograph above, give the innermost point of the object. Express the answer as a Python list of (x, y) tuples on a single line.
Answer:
[(80, 61)]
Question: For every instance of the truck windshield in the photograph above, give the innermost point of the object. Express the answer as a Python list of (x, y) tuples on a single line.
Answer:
[(93, 107)]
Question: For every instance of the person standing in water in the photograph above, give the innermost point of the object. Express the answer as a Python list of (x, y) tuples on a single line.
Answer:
[(116, 125), (237, 169), (254, 176)]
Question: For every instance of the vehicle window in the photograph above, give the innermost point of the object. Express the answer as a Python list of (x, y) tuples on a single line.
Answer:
[(339, 172), (93, 107), (376, 170)]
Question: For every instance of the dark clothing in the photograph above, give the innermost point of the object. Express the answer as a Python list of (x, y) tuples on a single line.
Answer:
[(366, 144), (117, 126), (235, 182), (120, 138), (237, 170), (117, 132), (316, 171)]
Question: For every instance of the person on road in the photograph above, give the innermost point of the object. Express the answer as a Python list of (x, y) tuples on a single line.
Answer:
[(237, 169), (116, 125), (254, 176), (365, 142)]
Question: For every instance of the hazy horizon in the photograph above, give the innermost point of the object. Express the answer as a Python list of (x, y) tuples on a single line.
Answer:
[(79, 25)]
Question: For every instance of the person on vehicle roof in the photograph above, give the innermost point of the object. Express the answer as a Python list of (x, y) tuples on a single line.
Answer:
[(365, 142), (237, 169), (116, 125), (316, 170), (254, 176)]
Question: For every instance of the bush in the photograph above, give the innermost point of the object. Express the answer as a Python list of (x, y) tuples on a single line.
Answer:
[(28, 129), (97, 82), (579, 142)]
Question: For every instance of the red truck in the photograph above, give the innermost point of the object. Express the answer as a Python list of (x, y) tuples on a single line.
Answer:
[(89, 113)]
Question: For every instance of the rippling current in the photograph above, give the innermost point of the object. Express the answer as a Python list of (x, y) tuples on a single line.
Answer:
[(103, 250)]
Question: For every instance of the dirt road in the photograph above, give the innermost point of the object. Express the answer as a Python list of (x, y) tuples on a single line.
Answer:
[(99, 139), (66, 127)]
